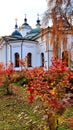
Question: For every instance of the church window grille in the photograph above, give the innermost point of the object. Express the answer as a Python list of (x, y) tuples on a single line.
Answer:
[(42, 59), (16, 59), (65, 57), (29, 59)]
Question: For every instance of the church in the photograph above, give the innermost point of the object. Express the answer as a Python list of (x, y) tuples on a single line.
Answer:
[(31, 45)]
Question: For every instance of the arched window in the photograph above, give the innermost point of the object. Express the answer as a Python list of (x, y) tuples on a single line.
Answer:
[(65, 57), (29, 58), (42, 59), (16, 60)]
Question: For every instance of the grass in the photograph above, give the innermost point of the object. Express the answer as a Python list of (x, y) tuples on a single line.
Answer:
[(17, 114)]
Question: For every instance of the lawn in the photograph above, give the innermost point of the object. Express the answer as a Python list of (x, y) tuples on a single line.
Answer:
[(17, 114)]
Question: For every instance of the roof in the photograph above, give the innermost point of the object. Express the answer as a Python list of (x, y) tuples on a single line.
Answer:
[(36, 30), (16, 34), (33, 33), (25, 26)]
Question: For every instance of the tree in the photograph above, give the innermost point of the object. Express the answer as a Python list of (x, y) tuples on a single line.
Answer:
[(60, 12)]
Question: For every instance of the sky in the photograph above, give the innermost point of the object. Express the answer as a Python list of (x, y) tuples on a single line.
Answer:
[(12, 9)]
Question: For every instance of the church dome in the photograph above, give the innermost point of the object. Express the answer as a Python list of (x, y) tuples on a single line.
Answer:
[(38, 22), (25, 28), (16, 34), (25, 25), (25, 22)]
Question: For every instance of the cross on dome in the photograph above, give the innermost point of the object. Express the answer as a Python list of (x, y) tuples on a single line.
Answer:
[(16, 26), (38, 21), (25, 20)]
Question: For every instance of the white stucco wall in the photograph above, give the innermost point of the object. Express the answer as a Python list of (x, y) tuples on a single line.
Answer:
[(45, 47), (23, 49), (30, 47)]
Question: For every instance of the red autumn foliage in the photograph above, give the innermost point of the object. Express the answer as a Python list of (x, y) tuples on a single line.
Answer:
[(9, 69), (6, 78), (50, 84), (30, 98), (70, 122)]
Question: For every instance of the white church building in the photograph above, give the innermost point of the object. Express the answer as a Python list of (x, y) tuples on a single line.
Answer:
[(28, 43)]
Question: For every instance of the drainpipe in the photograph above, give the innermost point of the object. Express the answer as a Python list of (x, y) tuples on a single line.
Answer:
[(6, 42), (6, 52), (48, 55), (21, 52), (48, 59), (10, 53)]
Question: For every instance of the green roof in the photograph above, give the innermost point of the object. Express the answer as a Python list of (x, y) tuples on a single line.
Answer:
[(33, 33), (36, 30), (16, 34)]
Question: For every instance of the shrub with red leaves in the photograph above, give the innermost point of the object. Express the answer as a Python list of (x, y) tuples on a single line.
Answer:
[(50, 84), (70, 122)]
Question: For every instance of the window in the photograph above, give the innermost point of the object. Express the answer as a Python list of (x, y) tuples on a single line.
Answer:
[(29, 58), (16, 60), (65, 57), (42, 59)]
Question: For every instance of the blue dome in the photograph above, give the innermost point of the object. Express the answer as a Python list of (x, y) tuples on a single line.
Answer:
[(26, 24), (16, 34), (16, 26), (25, 20), (38, 21)]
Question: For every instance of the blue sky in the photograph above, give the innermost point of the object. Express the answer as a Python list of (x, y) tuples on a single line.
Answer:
[(12, 9)]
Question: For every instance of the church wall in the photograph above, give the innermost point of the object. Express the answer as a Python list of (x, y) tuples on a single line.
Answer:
[(69, 42), (23, 48), (15, 48), (30, 48), (5, 54), (1, 54), (70, 49), (45, 47), (8, 54)]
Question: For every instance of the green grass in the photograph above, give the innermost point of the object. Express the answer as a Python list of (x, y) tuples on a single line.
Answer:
[(17, 114)]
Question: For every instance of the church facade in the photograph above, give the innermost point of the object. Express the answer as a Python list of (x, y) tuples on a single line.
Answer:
[(31, 46)]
